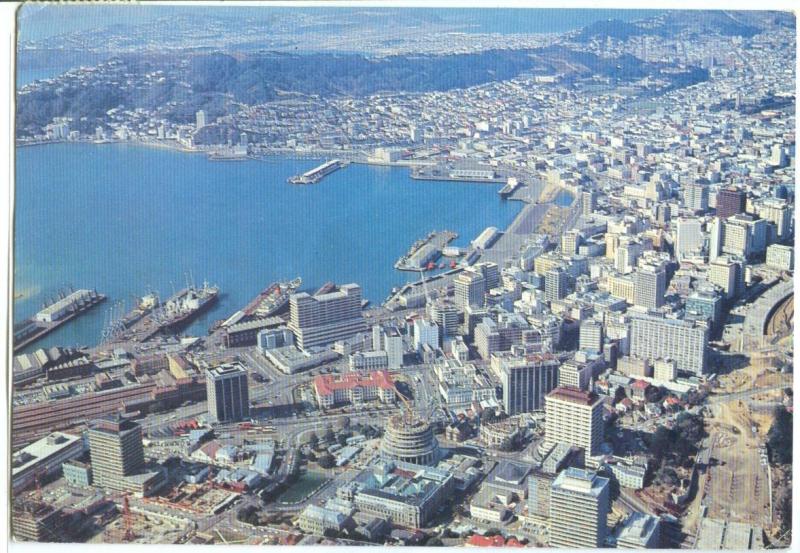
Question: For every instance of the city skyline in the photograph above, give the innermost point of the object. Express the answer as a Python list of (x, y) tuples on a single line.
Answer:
[(400, 276)]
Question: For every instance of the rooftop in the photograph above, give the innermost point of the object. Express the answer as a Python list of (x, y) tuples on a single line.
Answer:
[(574, 395), (328, 383)]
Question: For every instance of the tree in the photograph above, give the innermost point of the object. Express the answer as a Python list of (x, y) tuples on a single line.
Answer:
[(619, 394), (313, 440), (344, 422), (779, 437), (326, 461), (329, 435), (653, 394), (342, 439)]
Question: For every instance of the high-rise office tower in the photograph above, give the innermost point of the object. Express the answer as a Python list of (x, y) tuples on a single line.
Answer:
[(570, 241), (227, 393), (324, 319), (650, 284), (590, 335), (391, 341), (653, 338), (200, 119), (579, 506), (116, 450), (689, 237), (469, 288), (425, 332), (730, 201), (588, 202), (556, 284), (574, 417), (714, 239), (695, 197), (490, 272), (444, 314), (726, 272), (526, 381)]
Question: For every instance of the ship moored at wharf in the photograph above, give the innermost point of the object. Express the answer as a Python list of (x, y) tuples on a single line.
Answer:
[(318, 173)]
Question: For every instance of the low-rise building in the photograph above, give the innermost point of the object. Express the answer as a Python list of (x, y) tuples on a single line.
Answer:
[(353, 388)]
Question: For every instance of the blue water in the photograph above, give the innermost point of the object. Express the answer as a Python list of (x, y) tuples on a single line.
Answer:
[(127, 218)]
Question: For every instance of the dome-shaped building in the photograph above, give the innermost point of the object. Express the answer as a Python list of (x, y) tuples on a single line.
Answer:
[(409, 439)]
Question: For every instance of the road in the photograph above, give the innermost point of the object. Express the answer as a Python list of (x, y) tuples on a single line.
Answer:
[(744, 395)]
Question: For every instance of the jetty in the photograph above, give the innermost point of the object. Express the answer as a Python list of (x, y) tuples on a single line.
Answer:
[(426, 251), (58, 312)]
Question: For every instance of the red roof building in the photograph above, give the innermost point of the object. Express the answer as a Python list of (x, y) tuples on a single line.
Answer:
[(353, 388)]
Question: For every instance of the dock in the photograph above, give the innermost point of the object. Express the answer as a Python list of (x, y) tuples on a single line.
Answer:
[(511, 186), (425, 251), (318, 173), (463, 174), (52, 316)]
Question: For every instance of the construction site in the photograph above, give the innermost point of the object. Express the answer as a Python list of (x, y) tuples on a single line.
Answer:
[(138, 525)]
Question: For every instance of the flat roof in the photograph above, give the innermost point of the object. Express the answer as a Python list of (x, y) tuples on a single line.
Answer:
[(41, 450)]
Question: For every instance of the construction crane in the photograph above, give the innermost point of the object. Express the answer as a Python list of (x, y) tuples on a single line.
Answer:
[(404, 399), (127, 519)]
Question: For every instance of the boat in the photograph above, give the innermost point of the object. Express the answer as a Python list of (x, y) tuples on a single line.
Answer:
[(272, 299), (325, 288), (178, 311)]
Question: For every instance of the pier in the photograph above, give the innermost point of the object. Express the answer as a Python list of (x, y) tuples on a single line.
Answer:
[(511, 186), (54, 315), (318, 173), (425, 251)]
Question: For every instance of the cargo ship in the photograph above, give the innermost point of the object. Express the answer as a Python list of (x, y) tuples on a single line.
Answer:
[(273, 299), (179, 310)]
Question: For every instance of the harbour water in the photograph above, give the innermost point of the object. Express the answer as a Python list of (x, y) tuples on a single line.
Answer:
[(126, 218)]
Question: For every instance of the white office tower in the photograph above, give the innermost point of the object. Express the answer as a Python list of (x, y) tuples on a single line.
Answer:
[(444, 314), (425, 332), (389, 340), (570, 241), (556, 284), (780, 257), (695, 197), (469, 288), (777, 156), (714, 239), (777, 211), (227, 393), (393, 345), (323, 319), (574, 417), (689, 238), (727, 273), (628, 252), (684, 342), (579, 505), (200, 119), (650, 284), (591, 335), (588, 202)]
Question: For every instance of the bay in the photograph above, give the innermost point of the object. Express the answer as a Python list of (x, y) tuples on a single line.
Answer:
[(127, 218)]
